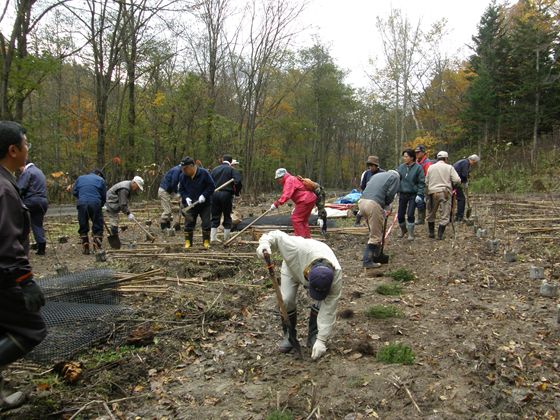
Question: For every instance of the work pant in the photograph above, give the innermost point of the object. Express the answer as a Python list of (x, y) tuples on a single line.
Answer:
[(93, 212), (407, 206), (461, 201), (300, 219), (203, 210), (439, 201), (222, 203), (37, 208), (113, 217), (165, 197), (373, 213), (15, 318)]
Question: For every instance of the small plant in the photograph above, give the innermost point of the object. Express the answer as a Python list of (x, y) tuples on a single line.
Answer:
[(280, 415), (383, 312), (396, 353), (388, 289), (401, 274)]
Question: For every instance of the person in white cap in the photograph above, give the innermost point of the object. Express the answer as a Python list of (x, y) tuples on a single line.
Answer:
[(440, 179), (118, 197), (463, 168)]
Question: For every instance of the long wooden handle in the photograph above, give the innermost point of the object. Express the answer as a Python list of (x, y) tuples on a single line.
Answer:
[(279, 300), (225, 184), (144, 229), (230, 240)]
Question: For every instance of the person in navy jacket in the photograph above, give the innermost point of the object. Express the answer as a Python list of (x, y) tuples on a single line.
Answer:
[(90, 190), (222, 201), (168, 186)]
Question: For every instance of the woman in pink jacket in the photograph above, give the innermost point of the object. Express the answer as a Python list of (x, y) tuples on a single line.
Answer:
[(293, 189)]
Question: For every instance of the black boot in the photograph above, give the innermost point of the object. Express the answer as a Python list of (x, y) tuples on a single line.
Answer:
[(369, 252), (379, 256), (431, 229), (115, 230), (285, 346), (312, 326), (403, 231), (163, 226), (41, 247), (358, 219), (85, 245), (13, 348), (440, 232), (421, 216)]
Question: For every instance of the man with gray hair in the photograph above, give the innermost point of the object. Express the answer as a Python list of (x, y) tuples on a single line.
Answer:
[(118, 197), (463, 168), (439, 182)]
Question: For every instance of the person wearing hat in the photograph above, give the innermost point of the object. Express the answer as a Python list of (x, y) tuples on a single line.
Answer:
[(376, 199), (463, 168), (196, 186), (90, 190), (168, 186), (424, 162), (304, 200), (235, 163), (21, 325), (439, 182), (411, 192), (117, 200), (313, 265), (373, 168), (222, 201)]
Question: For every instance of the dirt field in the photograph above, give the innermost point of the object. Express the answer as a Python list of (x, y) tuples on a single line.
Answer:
[(486, 343)]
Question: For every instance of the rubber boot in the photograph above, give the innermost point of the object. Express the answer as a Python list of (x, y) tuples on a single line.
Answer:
[(358, 220), (410, 228), (312, 329), (227, 233), (440, 232), (421, 216), (188, 239), (85, 245), (206, 239), (369, 252), (163, 226), (12, 349), (214, 235), (403, 230), (97, 243), (285, 346), (431, 230), (41, 248)]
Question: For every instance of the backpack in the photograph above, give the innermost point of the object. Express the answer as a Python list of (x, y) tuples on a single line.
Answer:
[(319, 191)]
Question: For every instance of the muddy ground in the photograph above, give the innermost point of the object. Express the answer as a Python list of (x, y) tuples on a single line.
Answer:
[(486, 343)]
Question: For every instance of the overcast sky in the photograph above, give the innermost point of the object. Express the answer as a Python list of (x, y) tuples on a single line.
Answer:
[(348, 27)]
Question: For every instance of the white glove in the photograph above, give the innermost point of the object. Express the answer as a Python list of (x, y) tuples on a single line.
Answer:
[(273, 207), (201, 199), (189, 201), (320, 223), (419, 199), (319, 349), (130, 216), (262, 248)]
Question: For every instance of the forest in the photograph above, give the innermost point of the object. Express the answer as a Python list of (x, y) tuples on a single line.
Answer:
[(133, 86)]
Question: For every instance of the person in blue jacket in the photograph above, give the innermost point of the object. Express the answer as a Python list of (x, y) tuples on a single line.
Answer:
[(168, 186), (90, 190), (196, 186), (32, 185), (411, 192)]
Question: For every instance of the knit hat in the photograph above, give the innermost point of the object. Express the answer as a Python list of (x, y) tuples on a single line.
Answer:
[(280, 172), (320, 281), (138, 181)]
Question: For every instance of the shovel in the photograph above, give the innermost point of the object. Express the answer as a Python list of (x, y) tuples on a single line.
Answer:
[(114, 240), (230, 240), (382, 258), (148, 234), (283, 312), (469, 210)]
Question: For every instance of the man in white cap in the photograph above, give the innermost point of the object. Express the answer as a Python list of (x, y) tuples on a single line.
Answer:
[(463, 168), (118, 197), (312, 264), (439, 182)]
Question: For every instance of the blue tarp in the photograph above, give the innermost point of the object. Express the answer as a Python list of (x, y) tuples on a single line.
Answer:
[(350, 198)]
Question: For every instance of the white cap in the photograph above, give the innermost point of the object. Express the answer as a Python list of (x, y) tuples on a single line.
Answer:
[(138, 181), (235, 162), (280, 172), (474, 158), (442, 154)]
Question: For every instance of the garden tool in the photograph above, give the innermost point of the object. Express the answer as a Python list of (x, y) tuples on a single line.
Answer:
[(247, 227), (113, 239), (148, 234)]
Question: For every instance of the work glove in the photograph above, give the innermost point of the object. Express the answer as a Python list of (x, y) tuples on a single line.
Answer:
[(262, 248), (189, 201), (319, 348), (320, 223), (32, 295), (130, 216), (273, 207), (419, 199), (201, 199), (466, 185)]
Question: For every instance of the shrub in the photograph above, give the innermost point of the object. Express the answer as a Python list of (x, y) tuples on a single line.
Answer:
[(396, 353), (383, 312), (401, 274), (280, 415), (389, 289)]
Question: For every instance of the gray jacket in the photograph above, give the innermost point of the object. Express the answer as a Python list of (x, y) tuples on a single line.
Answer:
[(118, 196), (382, 188)]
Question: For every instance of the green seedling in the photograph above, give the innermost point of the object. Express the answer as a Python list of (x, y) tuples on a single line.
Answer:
[(383, 312), (402, 275), (280, 415), (388, 289), (396, 353)]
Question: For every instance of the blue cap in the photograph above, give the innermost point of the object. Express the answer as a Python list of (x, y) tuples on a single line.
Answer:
[(320, 281)]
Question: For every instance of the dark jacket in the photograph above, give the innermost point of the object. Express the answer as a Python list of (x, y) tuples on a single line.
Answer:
[(412, 179), (223, 173), (14, 230), (32, 183), (118, 196), (90, 189), (463, 168), (170, 181), (201, 184), (366, 176)]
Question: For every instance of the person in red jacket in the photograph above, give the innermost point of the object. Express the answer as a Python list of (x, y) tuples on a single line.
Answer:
[(293, 189), (422, 160)]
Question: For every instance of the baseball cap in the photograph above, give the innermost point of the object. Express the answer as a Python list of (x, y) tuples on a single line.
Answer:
[(320, 281), (420, 148), (280, 172), (474, 158), (187, 161), (138, 181), (442, 154)]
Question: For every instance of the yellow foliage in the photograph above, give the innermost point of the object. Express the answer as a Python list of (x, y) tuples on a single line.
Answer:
[(159, 98), (427, 140)]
